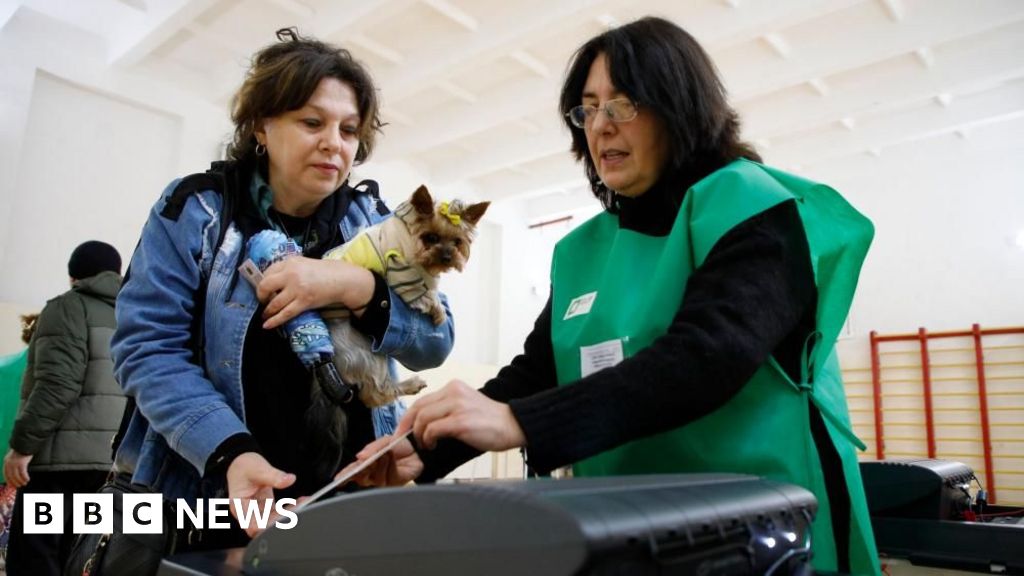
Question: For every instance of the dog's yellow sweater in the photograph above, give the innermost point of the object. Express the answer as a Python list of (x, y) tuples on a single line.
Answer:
[(382, 249)]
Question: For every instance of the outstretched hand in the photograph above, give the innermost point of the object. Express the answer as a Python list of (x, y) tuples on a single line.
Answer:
[(397, 467), (464, 413), (251, 477)]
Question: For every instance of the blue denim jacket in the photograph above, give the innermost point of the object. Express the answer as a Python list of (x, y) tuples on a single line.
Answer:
[(190, 410)]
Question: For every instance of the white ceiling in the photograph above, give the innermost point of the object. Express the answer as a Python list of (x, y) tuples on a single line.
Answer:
[(470, 86)]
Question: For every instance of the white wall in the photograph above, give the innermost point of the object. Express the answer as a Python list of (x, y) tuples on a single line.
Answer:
[(946, 212), (84, 151), (88, 170)]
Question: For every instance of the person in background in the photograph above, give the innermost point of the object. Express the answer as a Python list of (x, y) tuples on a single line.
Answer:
[(70, 405), (223, 403), (12, 368), (691, 325)]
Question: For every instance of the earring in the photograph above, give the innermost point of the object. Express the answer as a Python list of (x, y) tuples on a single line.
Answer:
[(260, 149)]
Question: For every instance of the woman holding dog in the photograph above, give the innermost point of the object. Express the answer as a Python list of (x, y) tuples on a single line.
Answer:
[(691, 325), (222, 401)]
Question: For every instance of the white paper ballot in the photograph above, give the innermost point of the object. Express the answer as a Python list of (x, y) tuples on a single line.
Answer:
[(352, 470)]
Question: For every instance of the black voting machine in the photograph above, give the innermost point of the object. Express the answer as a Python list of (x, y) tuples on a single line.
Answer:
[(929, 513), (637, 525)]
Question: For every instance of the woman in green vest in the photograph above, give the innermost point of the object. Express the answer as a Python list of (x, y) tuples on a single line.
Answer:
[(691, 325)]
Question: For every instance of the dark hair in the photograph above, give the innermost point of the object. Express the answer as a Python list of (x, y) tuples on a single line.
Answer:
[(28, 326), (662, 68), (284, 75)]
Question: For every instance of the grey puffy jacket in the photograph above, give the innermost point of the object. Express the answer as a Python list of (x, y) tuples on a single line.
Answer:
[(71, 406)]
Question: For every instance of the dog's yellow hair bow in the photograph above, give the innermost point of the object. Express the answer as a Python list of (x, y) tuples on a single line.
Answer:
[(455, 219)]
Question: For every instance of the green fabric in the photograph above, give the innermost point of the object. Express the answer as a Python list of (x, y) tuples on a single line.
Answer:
[(71, 406), (262, 198), (765, 428), (11, 370)]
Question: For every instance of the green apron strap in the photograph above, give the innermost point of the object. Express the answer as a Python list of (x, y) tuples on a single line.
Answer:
[(806, 385), (807, 373)]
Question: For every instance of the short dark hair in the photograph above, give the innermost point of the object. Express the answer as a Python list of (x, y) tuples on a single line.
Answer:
[(284, 75), (662, 68), (93, 257)]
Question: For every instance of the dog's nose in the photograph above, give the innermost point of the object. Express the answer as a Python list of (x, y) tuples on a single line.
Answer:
[(446, 256)]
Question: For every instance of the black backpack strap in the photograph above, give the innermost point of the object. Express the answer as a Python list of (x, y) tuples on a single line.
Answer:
[(186, 187), (373, 189)]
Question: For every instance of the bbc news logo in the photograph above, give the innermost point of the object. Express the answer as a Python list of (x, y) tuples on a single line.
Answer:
[(144, 513)]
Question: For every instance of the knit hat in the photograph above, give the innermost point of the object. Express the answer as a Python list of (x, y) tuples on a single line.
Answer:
[(93, 257)]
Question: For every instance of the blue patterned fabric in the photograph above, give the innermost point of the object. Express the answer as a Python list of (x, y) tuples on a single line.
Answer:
[(307, 333)]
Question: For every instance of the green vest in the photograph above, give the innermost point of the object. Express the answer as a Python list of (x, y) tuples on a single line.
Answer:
[(608, 308), (11, 370)]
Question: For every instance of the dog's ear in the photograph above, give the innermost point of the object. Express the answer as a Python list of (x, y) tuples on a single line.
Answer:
[(422, 201), (474, 212)]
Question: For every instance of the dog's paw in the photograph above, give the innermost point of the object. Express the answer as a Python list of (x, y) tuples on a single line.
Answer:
[(437, 315), (411, 385)]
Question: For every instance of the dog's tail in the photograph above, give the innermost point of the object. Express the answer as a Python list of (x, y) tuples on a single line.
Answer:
[(326, 430)]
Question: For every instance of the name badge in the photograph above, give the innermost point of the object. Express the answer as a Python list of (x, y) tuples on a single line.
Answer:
[(580, 305), (599, 356)]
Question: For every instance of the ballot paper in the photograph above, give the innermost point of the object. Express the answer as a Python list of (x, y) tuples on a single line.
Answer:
[(350, 471)]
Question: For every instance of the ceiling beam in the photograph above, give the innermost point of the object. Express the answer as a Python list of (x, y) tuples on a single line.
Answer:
[(536, 97), (161, 22), (505, 31), (1000, 104), (449, 123), (532, 63), (341, 18), (975, 66), (453, 13), (550, 174), (376, 48), (722, 29), (514, 149), (296, 8), (339, 21), (104, 19), (778, 44), (987, 58), (895, 9), (230, 44), (836, 52), (457, 91)]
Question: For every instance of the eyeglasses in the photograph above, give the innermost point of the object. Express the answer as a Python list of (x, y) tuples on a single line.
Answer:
[(618, 110)]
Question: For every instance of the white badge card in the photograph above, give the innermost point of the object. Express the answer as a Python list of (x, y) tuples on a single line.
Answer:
[(580, 305), (599, 356)]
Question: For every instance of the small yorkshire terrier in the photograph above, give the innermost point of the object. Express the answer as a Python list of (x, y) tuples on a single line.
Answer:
[(410, 250)]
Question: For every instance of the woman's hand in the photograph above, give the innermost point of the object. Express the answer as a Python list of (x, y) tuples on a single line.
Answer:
[(16, 468), (250, 477), (296, 284), (398, 467), (461, 412)]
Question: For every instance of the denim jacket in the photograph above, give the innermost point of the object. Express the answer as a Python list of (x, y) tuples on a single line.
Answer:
[(188, 410)]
